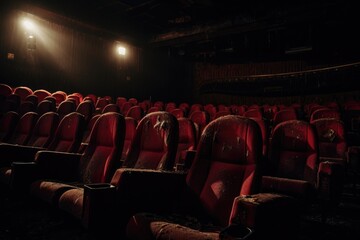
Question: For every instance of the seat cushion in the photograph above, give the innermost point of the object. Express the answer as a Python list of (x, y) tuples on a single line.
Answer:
[(49, 191), (150, 226), (71, 201)]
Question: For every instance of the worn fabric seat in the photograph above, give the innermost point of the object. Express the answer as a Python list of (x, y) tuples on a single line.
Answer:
[(153, 147), (293, 167), (61, 171), (226, 165), (67, 138)]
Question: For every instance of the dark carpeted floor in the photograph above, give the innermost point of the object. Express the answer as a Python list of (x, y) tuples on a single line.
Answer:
[(21, 218)]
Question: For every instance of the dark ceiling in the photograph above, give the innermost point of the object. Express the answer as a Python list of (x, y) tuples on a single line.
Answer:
[(208, 29)]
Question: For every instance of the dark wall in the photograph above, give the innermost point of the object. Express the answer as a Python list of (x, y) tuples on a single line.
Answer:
[(72, 59), (166, 77)]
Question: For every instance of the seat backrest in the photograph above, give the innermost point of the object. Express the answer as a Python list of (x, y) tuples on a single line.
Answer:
[(87, 132), (155, 142), (8, 122), (264, 133), (284, 115), (325, 113), (253, 113), (44, 130), (195, 107), (211, 109), (59, 96), (23, 92), (111, 107), (45, 106), (101, 157), (332, 138), (91, 96), (101, 102), (41, 94), (86, 108), (130, 124), (222, 113), (226, 165), (201, 119), (120, 101), (153, 109), (69, 133), (5, 90), (293, 151), (135, 112), (65, 107), (125, 107), (178, 112), (238, 109), (134, 101), (187, 139), (75, 97), (26, 107), (24, 129), (32, 98)]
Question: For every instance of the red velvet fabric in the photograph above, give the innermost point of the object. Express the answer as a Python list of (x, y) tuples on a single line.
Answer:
[(155, 142), (226, 165)]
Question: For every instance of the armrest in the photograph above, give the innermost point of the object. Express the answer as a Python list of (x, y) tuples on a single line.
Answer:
[(17, 153), (22, 174), (99, 205), (58, 165), (295, 188), (330, 181), (147, 190), (266, 214)]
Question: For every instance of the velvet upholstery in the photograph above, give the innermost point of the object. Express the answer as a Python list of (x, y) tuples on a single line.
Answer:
[(46, 106), (201, 118), (23, 92), (293, 152), (24, 129), (44, 130), (135, 112), (65, 107), (130, 124), (294, 168), (86, 108), (187, 140), (284, 115), (325, 113), (60, 96), (111, 107), (41, 94), (226, 165), (5, 90), (332, 139), (153, 147), (87, 133), (96, 165), (155, 142)]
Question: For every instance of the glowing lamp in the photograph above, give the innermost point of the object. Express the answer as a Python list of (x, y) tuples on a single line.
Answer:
[(121, 51)]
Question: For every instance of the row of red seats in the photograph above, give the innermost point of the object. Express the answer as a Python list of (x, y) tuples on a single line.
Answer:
[(124, 104), (228, 163), (228, 177), (200, 117)]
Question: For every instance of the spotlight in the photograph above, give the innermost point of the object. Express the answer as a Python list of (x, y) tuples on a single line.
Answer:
[(121, 51), (28, 24)]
